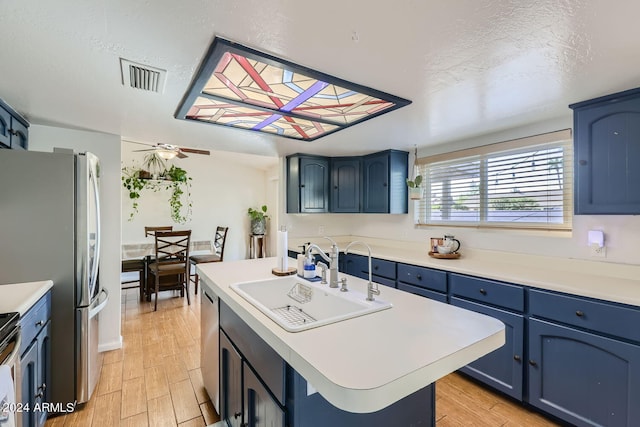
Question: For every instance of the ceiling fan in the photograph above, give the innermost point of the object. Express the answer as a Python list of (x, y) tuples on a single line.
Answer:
[(169, 151)]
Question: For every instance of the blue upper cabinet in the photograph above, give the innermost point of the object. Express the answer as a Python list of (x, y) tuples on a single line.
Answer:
[(14, 129), (307, 184), (345, 184), (384, 182), (375, 183), (607, 154)]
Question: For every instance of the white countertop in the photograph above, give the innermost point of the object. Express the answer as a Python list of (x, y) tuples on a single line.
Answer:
[(21, 297), (366, 363), (602, 280)]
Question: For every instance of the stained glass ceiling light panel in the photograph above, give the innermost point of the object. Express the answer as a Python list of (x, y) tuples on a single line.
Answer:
[(243, 88)]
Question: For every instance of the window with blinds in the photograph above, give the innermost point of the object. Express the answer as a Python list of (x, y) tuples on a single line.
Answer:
[(525, 183)]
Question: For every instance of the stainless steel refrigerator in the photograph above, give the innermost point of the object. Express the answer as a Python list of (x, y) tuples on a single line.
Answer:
[(50, 229)]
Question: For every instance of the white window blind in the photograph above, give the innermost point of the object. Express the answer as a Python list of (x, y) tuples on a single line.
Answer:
[(525, 183)]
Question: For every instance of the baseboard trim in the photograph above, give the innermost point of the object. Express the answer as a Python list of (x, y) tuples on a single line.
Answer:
[(113, 345)]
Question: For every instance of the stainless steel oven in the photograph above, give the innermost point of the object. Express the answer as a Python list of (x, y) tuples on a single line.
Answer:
[(10, 340)]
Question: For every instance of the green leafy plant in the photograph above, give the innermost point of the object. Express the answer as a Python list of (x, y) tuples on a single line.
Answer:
[(256, 214), (176, 179), (415, 183), (132, 182), (179, 178)]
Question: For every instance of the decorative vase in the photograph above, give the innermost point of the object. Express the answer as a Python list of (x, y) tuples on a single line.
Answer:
[(415, 193), (258, 226)]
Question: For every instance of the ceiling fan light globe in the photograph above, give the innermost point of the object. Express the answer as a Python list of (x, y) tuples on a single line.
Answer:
[(167, 154)]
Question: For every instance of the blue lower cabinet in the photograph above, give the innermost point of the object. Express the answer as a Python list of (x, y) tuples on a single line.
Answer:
[(230, 383), (313, 410), (583, 378), (35, 362), (502, 368), (260, 409), (259, 389)]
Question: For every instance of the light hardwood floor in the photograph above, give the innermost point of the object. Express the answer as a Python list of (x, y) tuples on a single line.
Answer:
[(155, 379)]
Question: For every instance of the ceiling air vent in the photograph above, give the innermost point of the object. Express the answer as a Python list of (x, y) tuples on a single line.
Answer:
[(144, 77)]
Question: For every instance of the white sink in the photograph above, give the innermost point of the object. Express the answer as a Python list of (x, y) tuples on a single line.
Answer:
[(297, 304)]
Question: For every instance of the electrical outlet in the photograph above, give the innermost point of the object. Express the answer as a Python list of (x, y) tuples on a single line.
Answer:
[(598, 251), (321, 230)]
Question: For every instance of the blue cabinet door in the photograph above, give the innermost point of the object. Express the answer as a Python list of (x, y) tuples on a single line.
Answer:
[(307, 184), (28, 385), (502, 368), (5, 127), (376, 183), (230, 383), (260, 409), (583, 378), (314, 184), (384, 182), (345, 184), (19, 135), (43, 382), (607, 152)]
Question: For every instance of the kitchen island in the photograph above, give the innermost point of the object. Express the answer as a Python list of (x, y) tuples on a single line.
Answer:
[(379, 363)]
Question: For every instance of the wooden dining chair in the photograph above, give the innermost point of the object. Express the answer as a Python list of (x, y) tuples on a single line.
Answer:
[(171, 262), (150, 231), (216, 255)]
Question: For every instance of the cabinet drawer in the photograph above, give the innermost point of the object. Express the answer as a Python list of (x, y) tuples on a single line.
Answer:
[(487, 291), (263, 359), (423, 277), (604, 317), (382, 268), (34, 320)]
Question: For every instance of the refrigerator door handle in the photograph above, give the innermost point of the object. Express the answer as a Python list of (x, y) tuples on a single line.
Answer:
[(98, 308), (93, 177)]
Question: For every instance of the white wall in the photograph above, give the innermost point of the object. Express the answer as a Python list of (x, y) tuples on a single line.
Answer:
[(223, 186), (107, 148), (622, 232)]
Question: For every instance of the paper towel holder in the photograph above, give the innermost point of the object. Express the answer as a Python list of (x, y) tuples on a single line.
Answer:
[(282, 252)]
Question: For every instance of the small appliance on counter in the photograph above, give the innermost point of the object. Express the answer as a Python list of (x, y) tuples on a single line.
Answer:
[(444, 248)]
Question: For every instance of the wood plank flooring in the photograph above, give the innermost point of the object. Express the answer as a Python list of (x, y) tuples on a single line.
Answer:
[(155, 379)]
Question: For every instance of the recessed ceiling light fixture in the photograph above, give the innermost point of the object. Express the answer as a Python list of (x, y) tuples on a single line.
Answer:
[(240, 87)]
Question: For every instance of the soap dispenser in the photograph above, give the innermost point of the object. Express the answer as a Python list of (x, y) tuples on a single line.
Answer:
[(309, 267), (300, 259)]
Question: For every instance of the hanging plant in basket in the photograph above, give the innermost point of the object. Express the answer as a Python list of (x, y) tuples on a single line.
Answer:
[(175, 179), (415, 191)]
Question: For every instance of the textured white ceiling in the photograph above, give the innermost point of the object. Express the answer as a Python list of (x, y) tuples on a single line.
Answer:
[(470, 67)]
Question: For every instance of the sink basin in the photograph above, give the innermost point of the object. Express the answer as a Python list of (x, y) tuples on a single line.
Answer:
[(297, 304)]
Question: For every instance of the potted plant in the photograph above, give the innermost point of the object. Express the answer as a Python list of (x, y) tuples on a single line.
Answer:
[(155, 164), (258, 220), (415, 191)]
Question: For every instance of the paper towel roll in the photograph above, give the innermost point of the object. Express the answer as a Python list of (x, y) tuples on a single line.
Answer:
[(281, 251)]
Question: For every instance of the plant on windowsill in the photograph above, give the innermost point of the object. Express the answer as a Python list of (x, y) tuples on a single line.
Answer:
[(258, 220)]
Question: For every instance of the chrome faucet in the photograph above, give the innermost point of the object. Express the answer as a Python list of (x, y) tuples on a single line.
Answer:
[(332, 260), (371, 289)]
